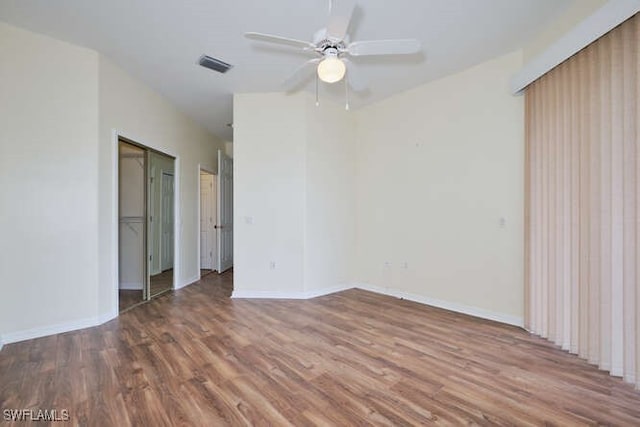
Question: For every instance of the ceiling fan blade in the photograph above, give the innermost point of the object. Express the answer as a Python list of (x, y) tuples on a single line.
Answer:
[(301, 74), (354, 78), (339, 19), (384, 47), (269, 38)]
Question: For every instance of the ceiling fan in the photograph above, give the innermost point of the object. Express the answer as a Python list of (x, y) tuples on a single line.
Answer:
[(333, 46)]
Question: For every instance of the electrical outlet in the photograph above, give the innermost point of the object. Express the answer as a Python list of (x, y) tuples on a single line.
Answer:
[(405, 265), (272, 265)]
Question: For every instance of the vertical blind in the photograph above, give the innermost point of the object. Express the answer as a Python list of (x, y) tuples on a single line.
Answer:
[(583, 203)]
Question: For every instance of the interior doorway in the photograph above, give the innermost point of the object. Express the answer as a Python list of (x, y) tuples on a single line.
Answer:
[(208, 221), (225, 212), (216, 217), (146, 205)]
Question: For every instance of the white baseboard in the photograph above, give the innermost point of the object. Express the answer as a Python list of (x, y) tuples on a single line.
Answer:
[(99, 320), (189, 281), (130, 286), (249, 294), (104, 318), (447, 305), (459, 308), (290, 295), (57, 328), (327, 291)]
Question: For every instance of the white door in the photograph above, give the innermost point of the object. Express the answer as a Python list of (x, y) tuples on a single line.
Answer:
[(166, 242), (225, 212), (152, 227), (208, 244)]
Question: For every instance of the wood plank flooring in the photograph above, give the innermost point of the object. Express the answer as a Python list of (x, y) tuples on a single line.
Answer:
[(196, 357), (129, 298), (160, 283)]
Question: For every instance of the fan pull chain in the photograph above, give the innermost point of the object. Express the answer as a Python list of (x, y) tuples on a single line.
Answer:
[(317, 99), (346, 94)]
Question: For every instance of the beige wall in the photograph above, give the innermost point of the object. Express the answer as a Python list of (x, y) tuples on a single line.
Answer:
[(437, 169), (48, 203), (577, 11), (433, 173), (294, 195), (147, 118)]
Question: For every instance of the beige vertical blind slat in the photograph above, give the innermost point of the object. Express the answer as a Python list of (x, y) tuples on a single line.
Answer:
[(583, 203), (605, 195), (629, 61), (594, 209), (528, 194), (566, 213), (637, 223), (617, 266), (575, 206)]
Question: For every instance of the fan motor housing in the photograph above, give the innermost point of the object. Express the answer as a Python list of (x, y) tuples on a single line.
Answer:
[(322, 42)]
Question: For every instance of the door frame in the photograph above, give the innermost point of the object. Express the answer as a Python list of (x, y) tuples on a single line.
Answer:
[(161, 252), (116, 136), (199, 219)]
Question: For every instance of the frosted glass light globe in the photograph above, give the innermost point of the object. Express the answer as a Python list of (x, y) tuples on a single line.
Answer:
[(331, 69)]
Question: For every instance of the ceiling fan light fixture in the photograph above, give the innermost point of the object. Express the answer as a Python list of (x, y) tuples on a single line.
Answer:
[(331, 69)]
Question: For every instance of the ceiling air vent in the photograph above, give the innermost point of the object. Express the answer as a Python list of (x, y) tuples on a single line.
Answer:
[(214, 64)]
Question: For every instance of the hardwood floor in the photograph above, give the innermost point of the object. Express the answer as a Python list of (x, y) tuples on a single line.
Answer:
[(128, 299), (160, 283), (196, 357)]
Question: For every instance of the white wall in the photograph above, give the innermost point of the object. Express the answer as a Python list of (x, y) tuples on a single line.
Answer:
[(59, 106), (329, 196), (294, 195), (146, 117), (269, 179), (437, 167), (49, 181), (432, 173)]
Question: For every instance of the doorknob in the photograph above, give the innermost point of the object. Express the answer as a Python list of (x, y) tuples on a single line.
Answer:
[(217, 226)]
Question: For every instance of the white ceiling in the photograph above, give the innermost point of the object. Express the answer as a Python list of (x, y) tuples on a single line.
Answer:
[(160, 41)]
